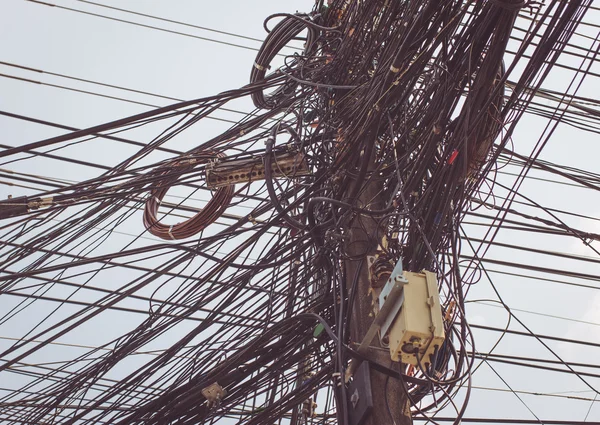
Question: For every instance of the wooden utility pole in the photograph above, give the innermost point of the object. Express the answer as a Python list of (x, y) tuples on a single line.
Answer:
[(390, 402)]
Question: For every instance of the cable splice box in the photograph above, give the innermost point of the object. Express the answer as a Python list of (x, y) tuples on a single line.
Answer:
[(226, 171), (418, 327)]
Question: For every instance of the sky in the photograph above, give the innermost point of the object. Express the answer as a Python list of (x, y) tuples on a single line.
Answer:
[(186, 65)]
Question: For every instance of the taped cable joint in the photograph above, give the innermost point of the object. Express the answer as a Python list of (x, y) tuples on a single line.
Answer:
[(40, 203)]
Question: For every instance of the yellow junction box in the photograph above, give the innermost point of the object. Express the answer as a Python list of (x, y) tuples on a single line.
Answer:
[(418, 325)]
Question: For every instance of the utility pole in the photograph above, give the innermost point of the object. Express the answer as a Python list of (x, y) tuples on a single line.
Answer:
[(390, 401)]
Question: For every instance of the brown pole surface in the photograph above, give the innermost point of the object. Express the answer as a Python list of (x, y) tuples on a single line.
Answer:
[(390, 402)]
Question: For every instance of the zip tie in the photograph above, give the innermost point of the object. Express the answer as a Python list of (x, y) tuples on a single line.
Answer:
[(259, 67), (394, 69), (171, 234), (158, 201)]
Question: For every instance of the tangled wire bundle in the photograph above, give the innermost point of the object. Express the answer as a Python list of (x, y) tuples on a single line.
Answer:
[(396, 106)]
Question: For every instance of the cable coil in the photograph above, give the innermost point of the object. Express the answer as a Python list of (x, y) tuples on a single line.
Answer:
[(206, 216)]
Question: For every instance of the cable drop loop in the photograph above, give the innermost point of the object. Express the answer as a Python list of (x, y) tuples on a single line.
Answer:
[(268, 163)]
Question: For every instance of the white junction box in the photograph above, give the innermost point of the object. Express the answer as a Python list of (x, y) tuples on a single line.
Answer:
[(418, 327)]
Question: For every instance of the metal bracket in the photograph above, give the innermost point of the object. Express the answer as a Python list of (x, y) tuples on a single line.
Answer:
[(390, 303), (395, 283)]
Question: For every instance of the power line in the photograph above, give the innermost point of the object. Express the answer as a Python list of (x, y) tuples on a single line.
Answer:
[(547, 337), (173, 21), (106, 96), (225, 43), (552, 316), (99, 83)]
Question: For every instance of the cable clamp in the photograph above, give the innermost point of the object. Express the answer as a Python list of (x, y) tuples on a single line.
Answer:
[(394, 69), (46, 202), (40, 203), (252, 219), (214, 393), (259, 67)]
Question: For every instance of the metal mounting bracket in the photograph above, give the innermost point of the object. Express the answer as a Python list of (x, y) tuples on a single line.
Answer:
[(390, 303), (396, 284)]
